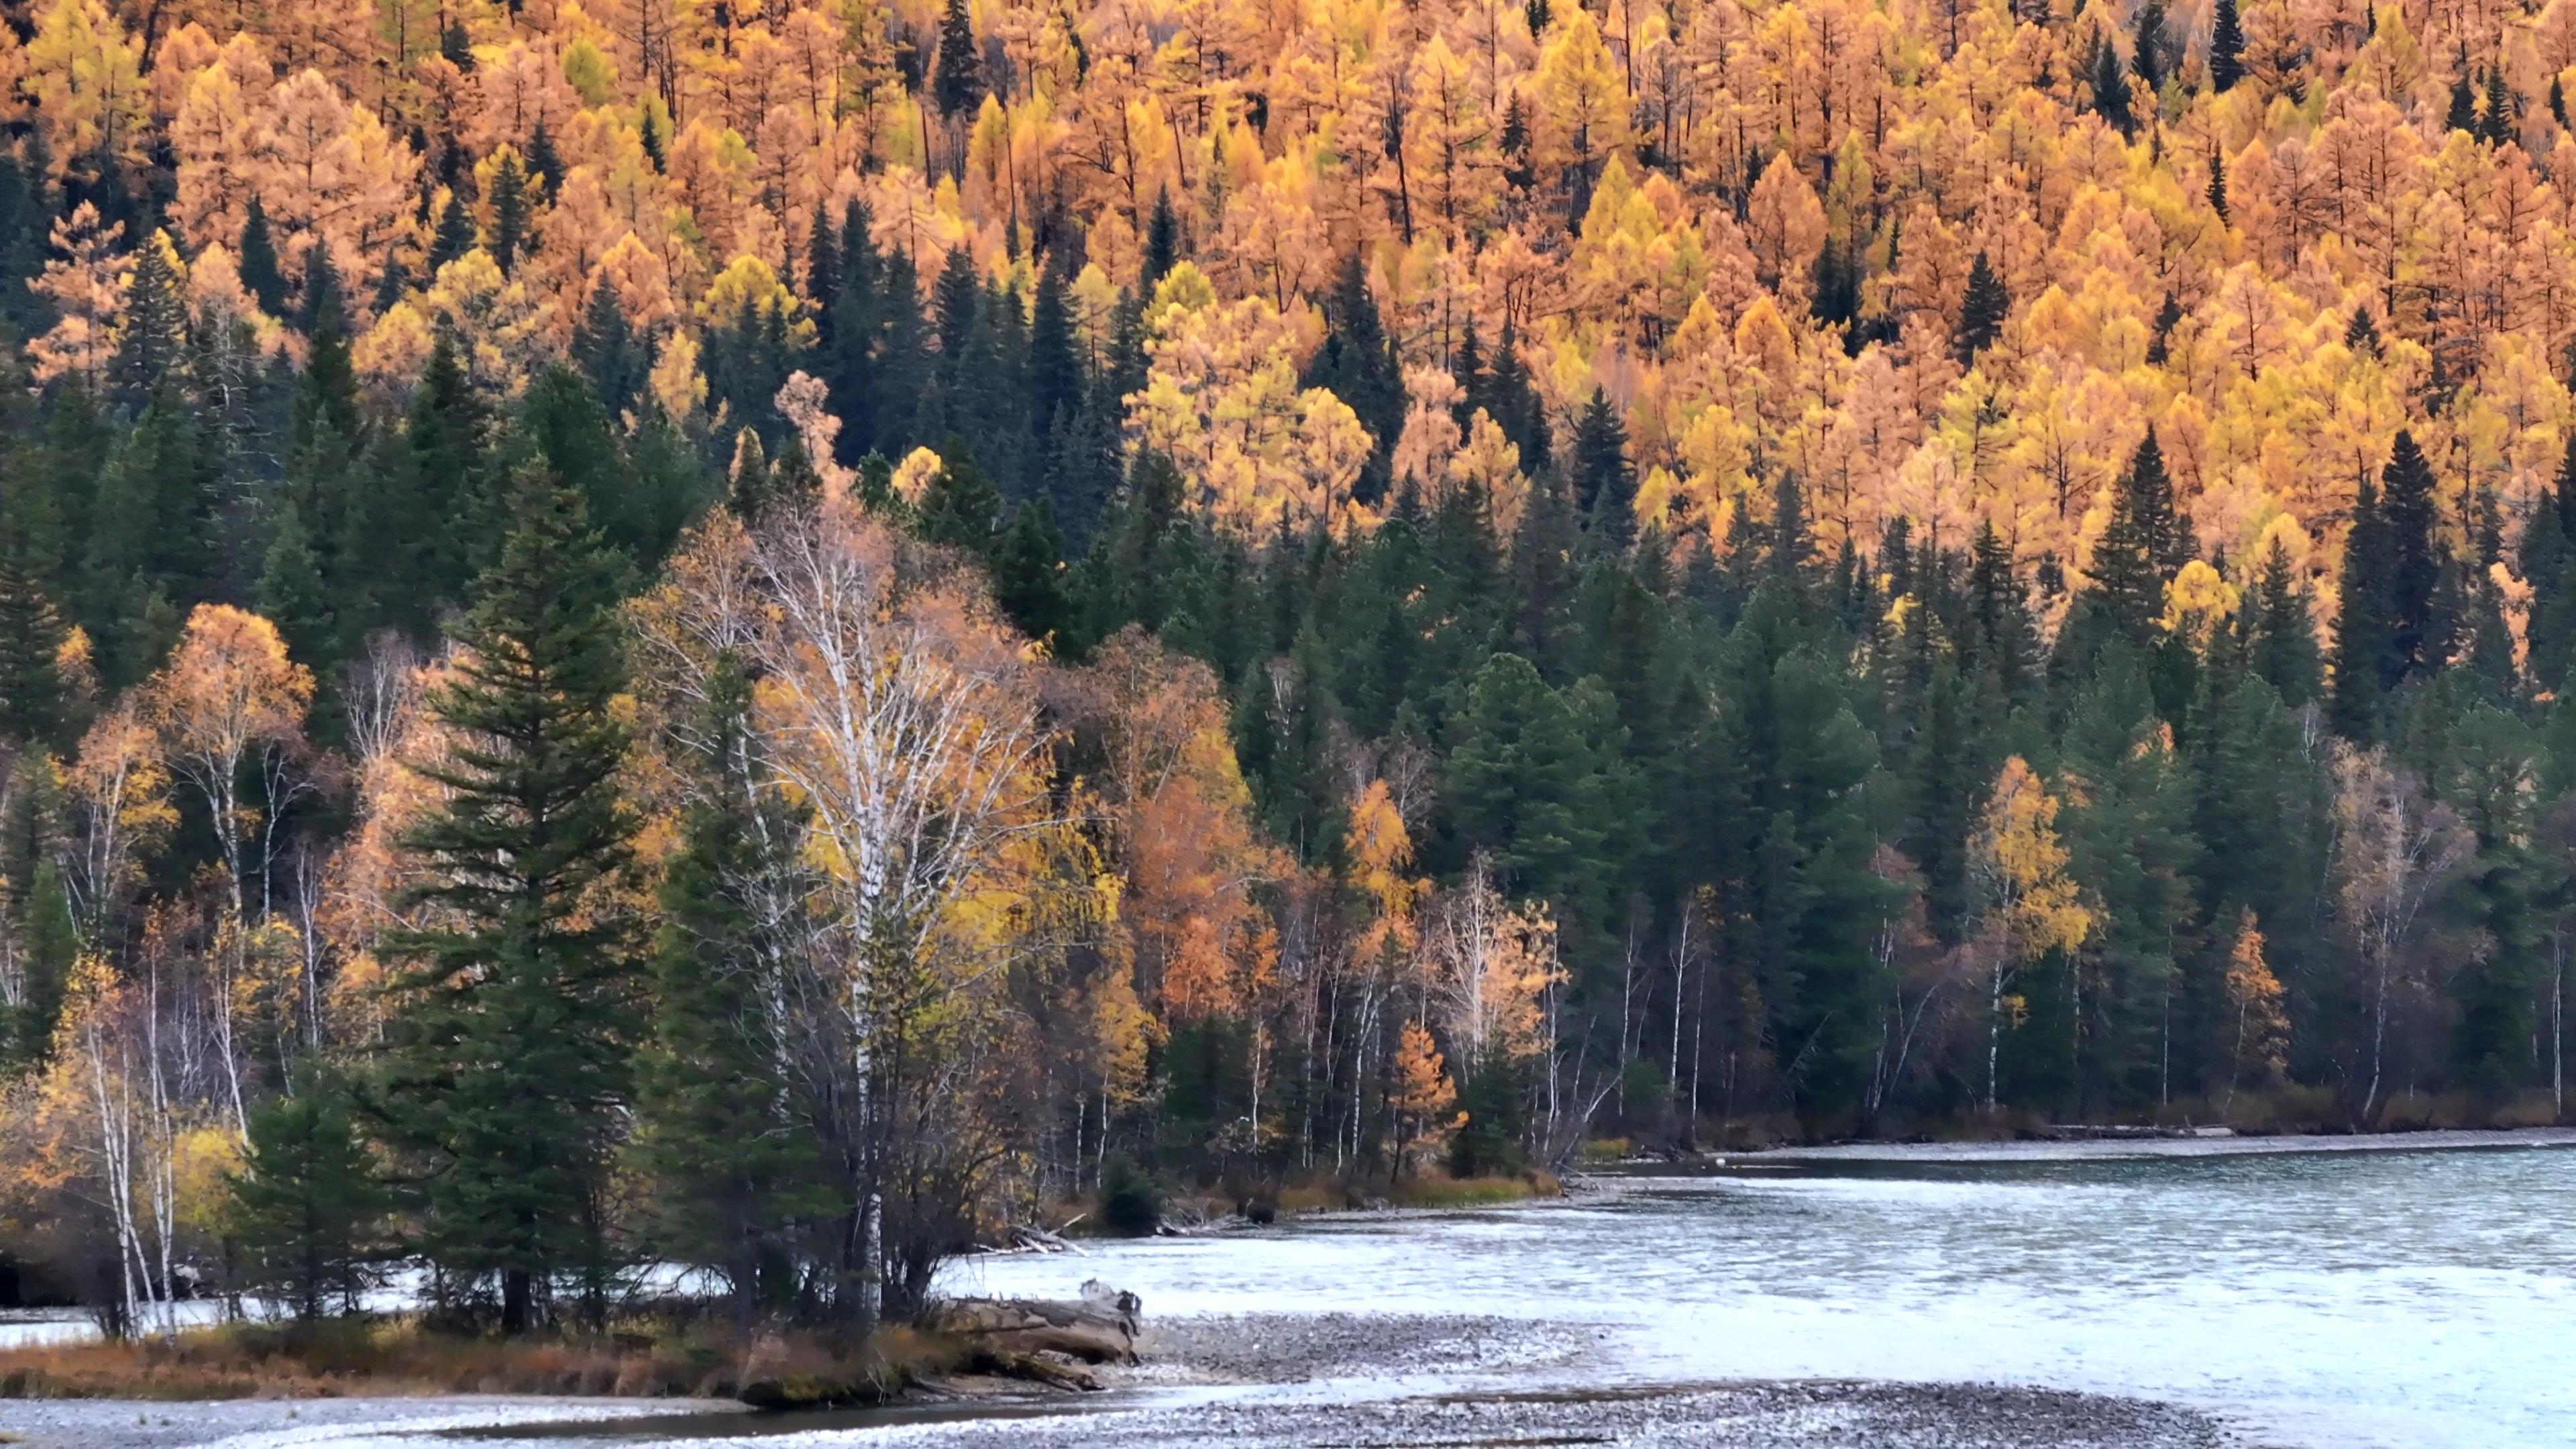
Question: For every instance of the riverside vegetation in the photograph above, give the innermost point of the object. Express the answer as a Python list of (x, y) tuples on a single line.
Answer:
[(765, 639)]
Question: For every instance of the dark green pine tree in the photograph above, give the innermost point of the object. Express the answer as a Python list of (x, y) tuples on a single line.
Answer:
[(2547, 560), (454, 236), (957, 82), (2362, 646), (1029, 581), (2001, 644), (2419, 639), (1981, 313), (730, 1166), (2463, 112), (2149, 490), (261, 275), (1785, 808), (430, 522), (954, 298), (509, 212), (2557, 101), (2494, 759), (2148, 61), (2490, 666), (1162, 241), (562, 421), (2361, 334), (903, 365), (1474, 389), (960, 507), (147, 556), (293, 594), (822, 272), (2136, 553), (2093, 1044), (307, 1211), (607, 351), (2226, 47), (2110, 88), (1605, 482), (155, 334), (1514, 404), (38, 910), (1055, 367), (32, 632), (2160, 339), (1524, 784), (545, 167), (2281, 632), (1358, 362), (2496, 125), (2217, 190), (505, 1075)]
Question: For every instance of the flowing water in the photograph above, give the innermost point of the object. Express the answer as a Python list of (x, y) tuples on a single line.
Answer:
[(2400, 1298)]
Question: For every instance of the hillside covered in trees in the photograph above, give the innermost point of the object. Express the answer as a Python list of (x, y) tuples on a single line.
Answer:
[(764, 635)]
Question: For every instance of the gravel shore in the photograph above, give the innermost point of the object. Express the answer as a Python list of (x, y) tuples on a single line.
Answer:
[(1250, 1380)]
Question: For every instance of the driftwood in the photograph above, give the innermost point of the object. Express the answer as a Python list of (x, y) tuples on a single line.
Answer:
[(1099, 1329), (1029, 1238)]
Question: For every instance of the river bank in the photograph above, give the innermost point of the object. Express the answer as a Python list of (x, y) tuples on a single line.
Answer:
[(1243, 1380)]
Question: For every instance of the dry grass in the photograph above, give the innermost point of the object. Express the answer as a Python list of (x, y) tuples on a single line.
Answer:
[(396, 1358), (1441, 1191)]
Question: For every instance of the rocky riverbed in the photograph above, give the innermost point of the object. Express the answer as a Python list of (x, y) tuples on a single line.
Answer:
[(1252, 1380)]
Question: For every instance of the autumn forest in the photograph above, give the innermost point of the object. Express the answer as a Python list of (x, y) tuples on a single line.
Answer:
[(766, 635)]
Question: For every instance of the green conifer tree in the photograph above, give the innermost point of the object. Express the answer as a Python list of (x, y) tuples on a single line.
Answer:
[(506, 1073), (306, 1209), (1981, 313), (2226, 47)]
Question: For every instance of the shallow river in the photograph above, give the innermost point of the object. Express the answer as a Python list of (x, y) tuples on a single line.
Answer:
[(2409, 1298)]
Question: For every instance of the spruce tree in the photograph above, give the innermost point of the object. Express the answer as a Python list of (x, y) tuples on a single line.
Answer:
[(2149, 491), (505, 1074), (2361, 334), (2462, 114), (454, 236), (36, 909), (306, 1209), (509, 212), (2419, 639), (2282, 647), (960, 506), (32, 633), (1515, 406), (1055, 365), (731, 1166), (1981, 313), (957, 83), (2110, 88), (1028, 572), (2362, 645), (1605, 482), (293, 595), (1162, 241), (2217, 189), (2160, 339), (2226, 47), (2496, 126), (2149, 58), (545, 169), (154, 337), (261, 275), (1358, 362)]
